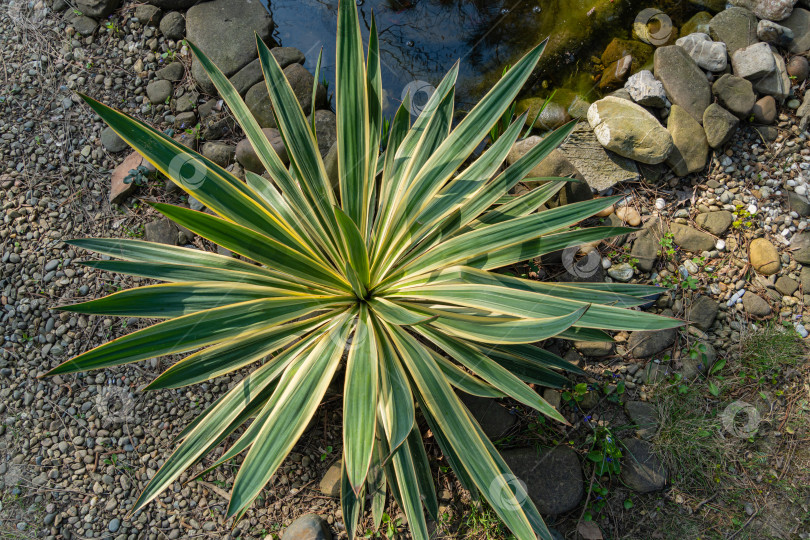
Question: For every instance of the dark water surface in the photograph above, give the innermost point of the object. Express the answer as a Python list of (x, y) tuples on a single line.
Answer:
[(420, 40)]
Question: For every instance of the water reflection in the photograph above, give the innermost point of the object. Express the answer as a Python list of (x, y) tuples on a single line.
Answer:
[(421, 39)]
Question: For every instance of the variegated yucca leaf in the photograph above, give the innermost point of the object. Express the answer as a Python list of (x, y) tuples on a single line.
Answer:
[(391, 273)]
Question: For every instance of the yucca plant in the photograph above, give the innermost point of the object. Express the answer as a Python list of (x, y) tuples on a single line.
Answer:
[(391, 273)]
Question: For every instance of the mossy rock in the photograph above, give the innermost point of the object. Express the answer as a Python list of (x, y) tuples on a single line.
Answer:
[(552, 117), (619, 48)]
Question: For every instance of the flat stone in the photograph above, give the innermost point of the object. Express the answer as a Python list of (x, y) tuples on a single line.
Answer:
[(119, 190), (645, 417), (646, 90), (642, 344), (775, 34), (330, 483), (629, 130), (799, 24), (764, 110), (690, 147), (600, 168), (308, 527), (753, 62), (158, 91), (691, 239), (111, 141), (735, 94), (173, 72), (685, 83), (715, 222), (554, 165), (162, 231), (805, 278), (594, 349), (764, 257), (773, 10), (553, 477), (719, 125), (778, 83), (708, 54), (645, 250), (702, 312), (493, 417), (802, 256), (799, 203), (736, 27), (787, 286), (84, 25), (642, 470), (220, 153), (755, 305), (225, 31)]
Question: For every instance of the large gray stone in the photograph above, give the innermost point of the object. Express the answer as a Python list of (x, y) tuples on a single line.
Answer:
[(736, 27), (642, 470), (755, 305), (708, 54), (252, 73), (753, 62), (799, 23), (552, 116), (735, 94), (776, 84), (225, 30), (600, 168), (685, 83), (553, 477), (111, 141), (258, 100), (325, 129), (629, 130), (773, 10), (555, 164), (719, 125), (247, 157), (173, 25), (690, 147)]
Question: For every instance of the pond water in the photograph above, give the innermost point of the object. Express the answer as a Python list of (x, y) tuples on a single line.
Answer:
[(420, 40)]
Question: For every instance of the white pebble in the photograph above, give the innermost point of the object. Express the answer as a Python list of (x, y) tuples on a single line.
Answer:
[(752, 209), (660, 204), (801, 330), (801, 190), (720, 245), (606, 263)]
